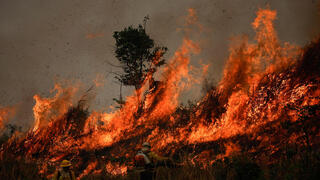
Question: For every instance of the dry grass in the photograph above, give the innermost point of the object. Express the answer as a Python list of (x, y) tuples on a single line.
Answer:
[(237, 167)]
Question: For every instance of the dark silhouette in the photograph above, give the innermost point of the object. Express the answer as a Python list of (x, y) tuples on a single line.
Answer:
[(138, 55)]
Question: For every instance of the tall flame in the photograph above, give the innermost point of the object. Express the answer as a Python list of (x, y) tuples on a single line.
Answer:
[(258, 84), (48, 109)]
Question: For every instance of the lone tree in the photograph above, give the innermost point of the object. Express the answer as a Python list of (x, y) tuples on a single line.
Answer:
[(138, 55)]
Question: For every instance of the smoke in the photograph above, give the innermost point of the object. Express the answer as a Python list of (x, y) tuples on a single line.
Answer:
[(43, 41), (257, 88)]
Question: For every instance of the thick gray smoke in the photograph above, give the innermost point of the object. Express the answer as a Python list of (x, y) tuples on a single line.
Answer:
[(42, 41)]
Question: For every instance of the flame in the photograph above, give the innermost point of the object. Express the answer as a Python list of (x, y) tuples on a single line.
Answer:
[(116, 169), (5, 114), (258, 84), (99, 81), (48, 109), (89, 169)]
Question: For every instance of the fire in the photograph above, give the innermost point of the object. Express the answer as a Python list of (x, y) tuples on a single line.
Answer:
[(88, 170), (94, 35), (48, 109), (257, 90), (116, 169), (5, 114)]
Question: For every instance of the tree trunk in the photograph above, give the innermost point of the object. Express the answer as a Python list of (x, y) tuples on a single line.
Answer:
[(139, 103), (120, 96)]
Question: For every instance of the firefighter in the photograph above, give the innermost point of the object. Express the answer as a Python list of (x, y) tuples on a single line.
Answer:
[(64, 172), (154, 157), (145, 161)]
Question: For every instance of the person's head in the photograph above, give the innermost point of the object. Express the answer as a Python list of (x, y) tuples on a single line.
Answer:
[(65, 165), (146, 147), (66, 168)]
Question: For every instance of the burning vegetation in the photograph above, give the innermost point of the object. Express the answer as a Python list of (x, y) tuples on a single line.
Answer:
[(260, 121)]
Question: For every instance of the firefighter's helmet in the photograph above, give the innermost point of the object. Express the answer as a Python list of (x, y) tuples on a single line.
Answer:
[(146, 144), (65, 163)]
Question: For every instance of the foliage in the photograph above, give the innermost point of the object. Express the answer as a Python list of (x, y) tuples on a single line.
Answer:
[(138, 55), (120, 102)]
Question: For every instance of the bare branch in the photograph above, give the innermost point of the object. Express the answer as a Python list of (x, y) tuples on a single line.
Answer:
[(117, 66)]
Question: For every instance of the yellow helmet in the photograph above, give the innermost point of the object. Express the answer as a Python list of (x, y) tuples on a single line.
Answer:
[(65, 163), (146, 144)]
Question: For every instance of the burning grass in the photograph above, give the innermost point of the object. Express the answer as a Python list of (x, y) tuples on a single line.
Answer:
[(290, 165), (260, 122)]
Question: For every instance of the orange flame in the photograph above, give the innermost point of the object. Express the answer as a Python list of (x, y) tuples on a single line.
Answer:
[(5, 114), (47, 109), (254, 91)]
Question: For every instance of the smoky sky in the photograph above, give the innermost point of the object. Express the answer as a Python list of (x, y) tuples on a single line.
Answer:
[(43, 41)]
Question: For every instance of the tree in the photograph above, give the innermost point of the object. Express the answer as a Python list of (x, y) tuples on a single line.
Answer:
[(137, 54)]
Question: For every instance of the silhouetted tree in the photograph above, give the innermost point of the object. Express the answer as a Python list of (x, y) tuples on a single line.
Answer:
[(139, 58), (137, 54)]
